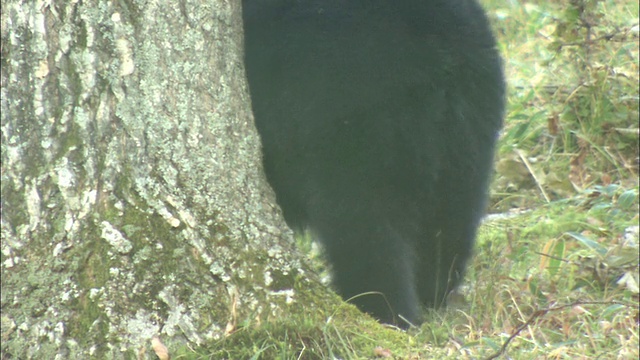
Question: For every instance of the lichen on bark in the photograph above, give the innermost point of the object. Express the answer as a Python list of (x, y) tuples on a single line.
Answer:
[(133, 203)]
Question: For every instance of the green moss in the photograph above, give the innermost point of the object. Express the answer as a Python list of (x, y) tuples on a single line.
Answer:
[(308, 336)]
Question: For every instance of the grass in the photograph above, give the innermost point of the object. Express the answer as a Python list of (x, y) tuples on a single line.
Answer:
[(572, 121), (555, 277)]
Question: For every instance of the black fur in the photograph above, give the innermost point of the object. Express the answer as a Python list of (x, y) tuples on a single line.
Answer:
[(378, 120)]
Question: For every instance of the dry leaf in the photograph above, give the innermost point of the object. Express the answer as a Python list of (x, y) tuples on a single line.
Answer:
[(381, 352), (158, 347)]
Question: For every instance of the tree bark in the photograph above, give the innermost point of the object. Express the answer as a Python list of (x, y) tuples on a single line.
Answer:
[(133, 200)]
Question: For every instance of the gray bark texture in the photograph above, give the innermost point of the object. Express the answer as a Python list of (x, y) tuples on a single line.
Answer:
[(133, 201)]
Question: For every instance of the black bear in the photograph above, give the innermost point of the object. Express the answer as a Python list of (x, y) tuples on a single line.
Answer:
[(378, 120)]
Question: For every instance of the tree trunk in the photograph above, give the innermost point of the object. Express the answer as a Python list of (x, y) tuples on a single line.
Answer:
[(133, 200)]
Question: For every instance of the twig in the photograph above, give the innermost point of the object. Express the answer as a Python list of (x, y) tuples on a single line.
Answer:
[(540, 313)]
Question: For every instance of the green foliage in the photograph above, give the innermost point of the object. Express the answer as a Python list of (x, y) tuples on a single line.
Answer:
[(572, 121)]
